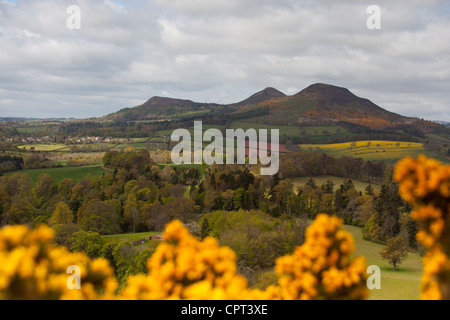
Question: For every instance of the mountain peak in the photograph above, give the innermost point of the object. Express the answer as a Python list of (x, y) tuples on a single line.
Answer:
[(326, 93), (268, 93)]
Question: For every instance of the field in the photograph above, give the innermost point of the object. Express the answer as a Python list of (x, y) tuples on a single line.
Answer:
[(45, 147), (388, 151), (59, 174), (130, 237), (291, 131), (31, 130), (403, 284), (359, 185)]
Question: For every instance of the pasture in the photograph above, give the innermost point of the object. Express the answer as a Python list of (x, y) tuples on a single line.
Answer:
[(403, 284), (45, 147), (388, 151), (59, 174)]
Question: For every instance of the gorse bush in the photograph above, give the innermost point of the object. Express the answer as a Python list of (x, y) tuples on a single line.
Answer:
[(186, 267), (32, 267), (183, 267), (425, 184)]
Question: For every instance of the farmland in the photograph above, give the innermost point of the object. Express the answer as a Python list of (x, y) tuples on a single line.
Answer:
[(130, 237), (403, 284), (59, 174), (291, 131), (388, 151), (45, 147)]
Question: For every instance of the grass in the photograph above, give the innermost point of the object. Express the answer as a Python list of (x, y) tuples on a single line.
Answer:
[(59, 174), (44, 147), (31, 130), (130, 237), (389, 151), (403, 284), (359, 185), (290, 131)]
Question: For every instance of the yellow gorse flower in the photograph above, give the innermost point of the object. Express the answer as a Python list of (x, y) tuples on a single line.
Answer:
[(425, 184), (321, 268), (31, 267), (183, 267)]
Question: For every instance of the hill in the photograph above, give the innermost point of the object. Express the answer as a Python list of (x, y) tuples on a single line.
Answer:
[(323, 102), (262, 96), (318, 102)]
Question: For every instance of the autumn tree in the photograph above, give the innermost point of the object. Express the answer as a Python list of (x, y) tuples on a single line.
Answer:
[(61, 215), (395, 252)]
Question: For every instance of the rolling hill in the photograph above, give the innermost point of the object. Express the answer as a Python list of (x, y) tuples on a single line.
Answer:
[(317, 104), (326, 102), (262, 96)]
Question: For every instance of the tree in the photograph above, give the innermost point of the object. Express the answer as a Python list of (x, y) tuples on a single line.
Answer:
[(61, 215), (100, 216), (45, 188), (369, 190), (395, 252), (206, 229), (328, 187), (124, 255), (88, 242)]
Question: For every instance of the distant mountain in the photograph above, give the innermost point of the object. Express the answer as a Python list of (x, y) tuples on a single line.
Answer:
[(331, 103), (318, 102), (158, 108), (262, 96), (23, 119)]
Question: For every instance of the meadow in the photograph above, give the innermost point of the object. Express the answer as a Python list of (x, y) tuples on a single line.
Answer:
[(403, 284), (45, 147), (388, 151), (59, 174), (290, 131), (130, 237)]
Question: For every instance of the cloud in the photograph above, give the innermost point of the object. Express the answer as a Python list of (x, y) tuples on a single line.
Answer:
[(219, 51)]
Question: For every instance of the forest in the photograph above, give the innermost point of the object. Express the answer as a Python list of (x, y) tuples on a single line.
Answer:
[(260, 217)]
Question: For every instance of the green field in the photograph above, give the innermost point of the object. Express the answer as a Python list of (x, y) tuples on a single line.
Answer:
[(389, 151), (359, 185), (59, 174), (44, 147), (130, 237), (403, 284), (31, 130)]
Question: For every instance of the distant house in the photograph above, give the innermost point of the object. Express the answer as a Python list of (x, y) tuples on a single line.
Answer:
[(158, 237)]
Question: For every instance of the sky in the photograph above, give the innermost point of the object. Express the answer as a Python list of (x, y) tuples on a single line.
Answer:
[(222, 51)]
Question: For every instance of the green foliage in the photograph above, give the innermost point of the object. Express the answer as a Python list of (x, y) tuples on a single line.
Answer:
[(395, 252), (61, 215), (100, 216), (88, 242), (124, 260), (256, 237), (139, 161)]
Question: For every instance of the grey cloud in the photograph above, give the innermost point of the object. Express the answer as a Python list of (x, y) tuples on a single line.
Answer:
[(219, 51)]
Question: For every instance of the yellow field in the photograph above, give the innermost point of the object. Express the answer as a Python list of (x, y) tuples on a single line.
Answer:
[(44, 147), (369, 150)]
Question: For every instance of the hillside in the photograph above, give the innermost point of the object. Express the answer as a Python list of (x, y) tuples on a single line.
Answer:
[(262, 96), (320, 104)]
